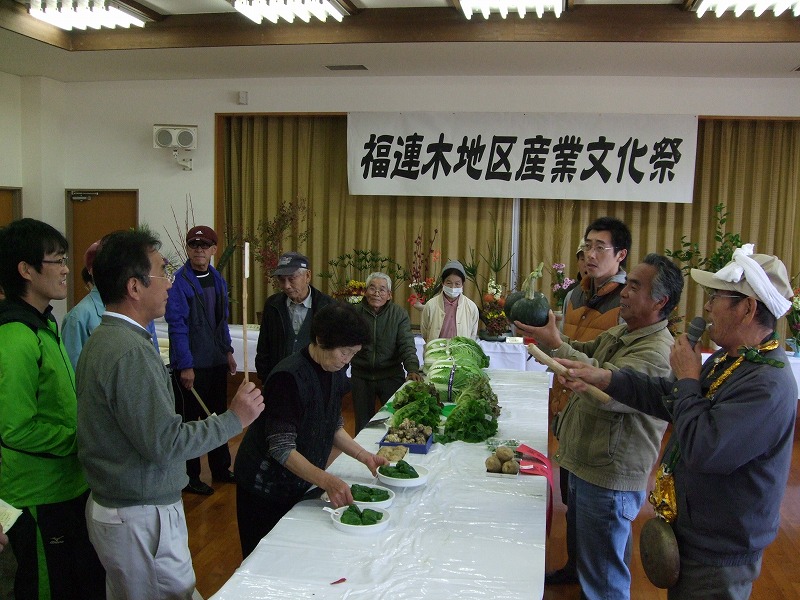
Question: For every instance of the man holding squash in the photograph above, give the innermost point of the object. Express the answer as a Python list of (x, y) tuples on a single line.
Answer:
[(610, 448)]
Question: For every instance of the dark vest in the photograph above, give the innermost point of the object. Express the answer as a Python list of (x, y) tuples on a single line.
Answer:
[(257, 471)]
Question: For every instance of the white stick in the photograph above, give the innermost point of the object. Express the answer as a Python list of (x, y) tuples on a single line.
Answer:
[(244, 308), (560, 369)]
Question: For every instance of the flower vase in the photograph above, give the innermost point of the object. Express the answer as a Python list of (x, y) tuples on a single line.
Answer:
[(792, 343), (418, 305)]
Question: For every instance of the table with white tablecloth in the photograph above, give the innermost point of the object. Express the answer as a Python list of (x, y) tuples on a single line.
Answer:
[(464, 534), (501, 355)]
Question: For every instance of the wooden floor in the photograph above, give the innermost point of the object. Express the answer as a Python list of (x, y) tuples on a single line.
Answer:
[(214, 541)]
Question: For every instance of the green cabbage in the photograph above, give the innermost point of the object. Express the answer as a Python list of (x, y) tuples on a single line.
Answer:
[(463, 349), (450, 377)]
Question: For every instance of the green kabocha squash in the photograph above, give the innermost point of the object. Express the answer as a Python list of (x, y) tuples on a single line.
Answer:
[(534, 308), (511, 300)]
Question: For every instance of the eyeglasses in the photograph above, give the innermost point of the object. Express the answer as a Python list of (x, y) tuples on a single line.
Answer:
[(380, 291), (597, 248), (712, 295), (169, 277), (198, 244), (60, 261)]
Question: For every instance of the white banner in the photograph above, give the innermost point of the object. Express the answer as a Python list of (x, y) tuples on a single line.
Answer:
[(648, 158)]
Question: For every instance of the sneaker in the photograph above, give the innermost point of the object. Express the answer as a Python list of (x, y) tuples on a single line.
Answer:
[(196, 486), (225, 477), (561, 577)]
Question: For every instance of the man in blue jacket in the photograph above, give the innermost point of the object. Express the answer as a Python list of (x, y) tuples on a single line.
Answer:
[(200, 349)]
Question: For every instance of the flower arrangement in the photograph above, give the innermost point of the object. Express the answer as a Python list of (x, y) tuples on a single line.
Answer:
[(793, 318), (352, 292), (423, 273), (267, 243), (493, 314), (561, 286), (348, 273)]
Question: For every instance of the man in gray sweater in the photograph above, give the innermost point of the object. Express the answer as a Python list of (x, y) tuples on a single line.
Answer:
[(131, 444)]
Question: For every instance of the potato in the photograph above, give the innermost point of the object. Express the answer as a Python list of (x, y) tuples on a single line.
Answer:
[(493, 464), (504, 453), (510, 467)]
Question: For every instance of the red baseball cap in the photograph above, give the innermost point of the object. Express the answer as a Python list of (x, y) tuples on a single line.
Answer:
[(88, 256), (202, 233)]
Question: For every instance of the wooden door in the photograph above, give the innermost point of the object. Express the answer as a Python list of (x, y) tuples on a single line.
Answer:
[(90, 216), (6, 206)]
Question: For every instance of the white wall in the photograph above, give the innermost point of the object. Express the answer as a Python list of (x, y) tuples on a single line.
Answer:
[(99, 135), (10, 131)]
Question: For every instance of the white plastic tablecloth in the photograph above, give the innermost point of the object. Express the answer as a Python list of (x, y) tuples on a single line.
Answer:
[(462, 535), (501, 355)]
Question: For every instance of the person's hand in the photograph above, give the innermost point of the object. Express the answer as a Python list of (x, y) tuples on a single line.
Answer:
[(338, 491), (580, 374), (231, 364), (372, 461), (685, 361), (248, 403), (187, 378), (413, 377), (548, 335), (3, 539)]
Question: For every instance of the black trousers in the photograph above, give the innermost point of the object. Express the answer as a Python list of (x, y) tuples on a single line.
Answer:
[(212, 386), (366, 391), (257, 515), (55, 558)]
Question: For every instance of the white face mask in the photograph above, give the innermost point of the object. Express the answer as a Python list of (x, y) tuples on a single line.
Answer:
[(452, 292)]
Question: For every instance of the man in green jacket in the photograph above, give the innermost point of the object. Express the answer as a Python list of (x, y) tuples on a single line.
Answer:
[(378, 369), (610, 448), (40, 472)]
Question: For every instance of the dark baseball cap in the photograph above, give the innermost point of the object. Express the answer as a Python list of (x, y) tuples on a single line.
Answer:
[(289, 262), (202, 233)]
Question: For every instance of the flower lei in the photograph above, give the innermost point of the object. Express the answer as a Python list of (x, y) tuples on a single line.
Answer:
[(663, 497)]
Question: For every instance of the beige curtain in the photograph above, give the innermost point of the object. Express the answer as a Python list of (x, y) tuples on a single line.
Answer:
[(750, 166), (273, 159)]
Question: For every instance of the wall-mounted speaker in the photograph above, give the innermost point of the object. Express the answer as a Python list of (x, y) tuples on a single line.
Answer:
[(175, 136)]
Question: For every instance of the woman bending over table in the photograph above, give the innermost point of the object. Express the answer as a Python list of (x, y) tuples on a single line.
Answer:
[(288, 447)]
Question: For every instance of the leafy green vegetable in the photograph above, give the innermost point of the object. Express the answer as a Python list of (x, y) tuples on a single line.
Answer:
[(450, 377), (464, 350), (425, 411), (413, 390), (478, 387), (402, 470), (470, 421), (364, 493), (355, 516)]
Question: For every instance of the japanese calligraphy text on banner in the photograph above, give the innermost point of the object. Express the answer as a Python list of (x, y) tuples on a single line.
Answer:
[(648, 158)]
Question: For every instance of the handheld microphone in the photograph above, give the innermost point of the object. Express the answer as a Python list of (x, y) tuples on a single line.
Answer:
[(695, 330)]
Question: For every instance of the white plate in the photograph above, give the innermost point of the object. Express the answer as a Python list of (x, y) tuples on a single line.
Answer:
[(395, 482), (336, 516), (360, 504)]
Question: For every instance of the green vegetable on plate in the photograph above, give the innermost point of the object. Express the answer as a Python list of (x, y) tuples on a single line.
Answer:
[(402, 470)]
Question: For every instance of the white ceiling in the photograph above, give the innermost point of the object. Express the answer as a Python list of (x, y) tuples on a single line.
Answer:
[(23, 56)]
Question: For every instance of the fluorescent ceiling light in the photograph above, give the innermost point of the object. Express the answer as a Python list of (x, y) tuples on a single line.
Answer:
[(273, 10), (506, 7), (80, 14), (739, 7)]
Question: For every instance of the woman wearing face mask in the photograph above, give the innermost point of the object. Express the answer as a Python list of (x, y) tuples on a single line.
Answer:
[(450, 313)]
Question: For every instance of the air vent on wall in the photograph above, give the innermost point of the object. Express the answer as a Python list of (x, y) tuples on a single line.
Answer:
[(346, 67), (175, 136)]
